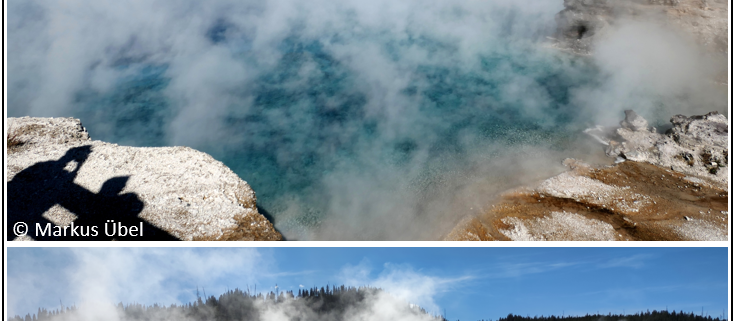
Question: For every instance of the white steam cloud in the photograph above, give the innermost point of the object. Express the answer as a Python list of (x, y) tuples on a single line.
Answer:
[(404, 282), (57, 49), (97, 279), (655, 70), (381, 70)]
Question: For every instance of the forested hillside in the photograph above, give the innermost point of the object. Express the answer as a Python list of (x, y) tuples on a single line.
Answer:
[(324, 303), (642, 316), (330, 303)]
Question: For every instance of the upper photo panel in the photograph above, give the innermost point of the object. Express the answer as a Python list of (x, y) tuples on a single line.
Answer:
[(555, 120)]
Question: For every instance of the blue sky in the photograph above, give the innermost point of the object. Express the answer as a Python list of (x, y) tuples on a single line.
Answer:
[(467, 283)]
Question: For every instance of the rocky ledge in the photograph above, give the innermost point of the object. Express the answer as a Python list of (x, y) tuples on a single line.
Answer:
[(696, 146), (583, 21), (62, 185), (671, 186)]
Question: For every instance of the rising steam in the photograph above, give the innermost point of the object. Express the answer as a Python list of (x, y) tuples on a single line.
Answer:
[(350, 119), (92, 281)]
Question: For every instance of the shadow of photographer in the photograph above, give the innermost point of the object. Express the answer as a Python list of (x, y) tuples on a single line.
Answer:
[(39, 187)]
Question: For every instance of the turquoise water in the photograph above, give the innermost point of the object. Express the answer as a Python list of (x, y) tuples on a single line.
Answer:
[(315, 151), (389, 120), (382, 122)]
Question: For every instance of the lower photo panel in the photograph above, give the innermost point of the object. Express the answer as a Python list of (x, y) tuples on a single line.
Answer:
[(275, 284)]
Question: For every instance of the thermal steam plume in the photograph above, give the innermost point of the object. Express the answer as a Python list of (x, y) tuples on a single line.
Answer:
[(350, 119), (334, 303)]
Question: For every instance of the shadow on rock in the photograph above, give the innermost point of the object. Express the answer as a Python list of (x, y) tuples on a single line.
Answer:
[(106, 215), (271, 219)]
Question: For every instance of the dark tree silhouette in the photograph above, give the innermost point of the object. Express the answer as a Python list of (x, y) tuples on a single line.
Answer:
[(315, 304), (640, 316)]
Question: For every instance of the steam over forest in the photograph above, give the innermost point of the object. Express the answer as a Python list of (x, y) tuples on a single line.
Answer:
[(334, 303), (324, 303)]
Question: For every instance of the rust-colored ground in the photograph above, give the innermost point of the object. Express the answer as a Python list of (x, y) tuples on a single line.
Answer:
[(681, 209), (246, 232)]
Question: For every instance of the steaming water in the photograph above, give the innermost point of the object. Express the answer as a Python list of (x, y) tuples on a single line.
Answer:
[(349, 123), (308, 143)]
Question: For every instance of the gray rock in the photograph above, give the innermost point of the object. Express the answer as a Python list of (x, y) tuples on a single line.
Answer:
[(633, 121), (696, 145), (582, 22), (57, 175), (672, 3)]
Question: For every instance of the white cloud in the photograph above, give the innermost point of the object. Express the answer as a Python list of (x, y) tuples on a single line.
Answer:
[(97, 278), (634, 261), (404, 282)]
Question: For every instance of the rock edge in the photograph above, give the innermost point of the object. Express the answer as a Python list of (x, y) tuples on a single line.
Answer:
[(183, 192)]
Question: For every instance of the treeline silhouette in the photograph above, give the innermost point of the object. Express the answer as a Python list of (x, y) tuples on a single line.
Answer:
[(640, 316), (324, 303)]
